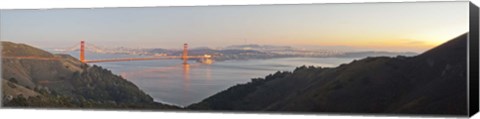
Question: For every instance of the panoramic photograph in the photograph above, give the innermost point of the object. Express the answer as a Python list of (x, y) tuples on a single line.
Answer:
[(365, 58)]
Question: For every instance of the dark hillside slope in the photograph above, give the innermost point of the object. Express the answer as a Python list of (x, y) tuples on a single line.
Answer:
[(431, 83), (37, 78)]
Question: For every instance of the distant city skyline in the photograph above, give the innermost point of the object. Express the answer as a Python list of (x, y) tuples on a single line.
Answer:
[(370, 26)]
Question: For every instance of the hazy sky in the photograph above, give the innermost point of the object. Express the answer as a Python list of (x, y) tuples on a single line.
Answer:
[(380, 26)]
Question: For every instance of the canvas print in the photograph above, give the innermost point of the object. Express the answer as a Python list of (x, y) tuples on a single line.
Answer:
[(365, 58)]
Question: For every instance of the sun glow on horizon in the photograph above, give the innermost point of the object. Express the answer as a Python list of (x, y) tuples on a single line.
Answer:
[(399, 42)]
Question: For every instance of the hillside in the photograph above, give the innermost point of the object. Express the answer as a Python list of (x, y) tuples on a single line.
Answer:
[(36, 78), (430, 83)]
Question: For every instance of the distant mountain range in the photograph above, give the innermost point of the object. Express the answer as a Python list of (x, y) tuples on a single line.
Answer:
[(253, 51), (260, 47), (363, 54), (431, 83)]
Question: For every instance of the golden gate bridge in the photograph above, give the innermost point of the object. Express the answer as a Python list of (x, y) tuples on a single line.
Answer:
[(82, 47)]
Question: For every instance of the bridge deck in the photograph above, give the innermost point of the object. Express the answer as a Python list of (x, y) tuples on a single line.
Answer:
[(139, 59)]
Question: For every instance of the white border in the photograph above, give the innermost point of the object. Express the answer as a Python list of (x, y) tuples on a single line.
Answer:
[(76, 114), (46, 4)]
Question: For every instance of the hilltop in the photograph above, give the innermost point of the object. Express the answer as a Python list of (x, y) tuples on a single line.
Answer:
[(433, 82), (32, 77)]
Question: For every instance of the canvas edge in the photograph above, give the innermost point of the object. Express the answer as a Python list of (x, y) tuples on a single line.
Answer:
[(473, 52)]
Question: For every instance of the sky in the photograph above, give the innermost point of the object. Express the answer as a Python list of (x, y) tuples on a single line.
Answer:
[(369, 26)]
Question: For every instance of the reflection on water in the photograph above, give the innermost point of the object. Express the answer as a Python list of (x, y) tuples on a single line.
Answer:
[(208, 73), (169, 81), (186, 76)]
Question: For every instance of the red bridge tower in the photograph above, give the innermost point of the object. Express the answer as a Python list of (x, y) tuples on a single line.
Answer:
[(82, 51), (185, 53)]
